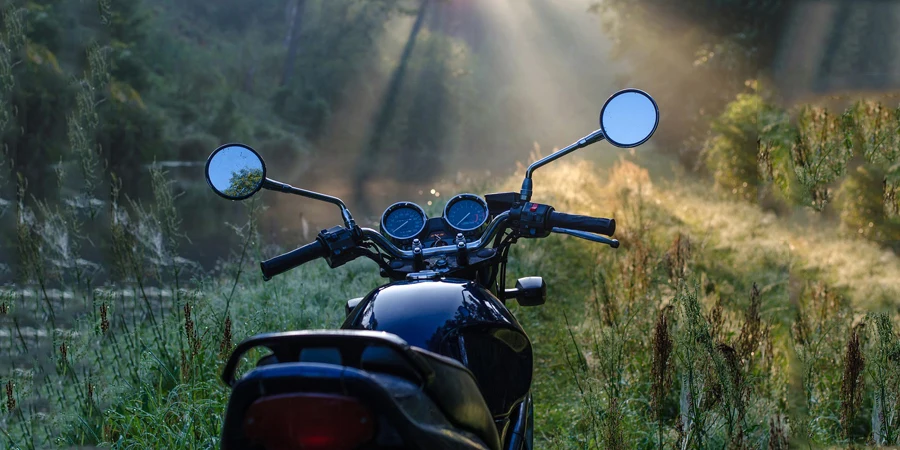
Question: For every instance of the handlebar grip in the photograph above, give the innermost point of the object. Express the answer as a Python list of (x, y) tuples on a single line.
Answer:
[(290, 260), (583, 223)]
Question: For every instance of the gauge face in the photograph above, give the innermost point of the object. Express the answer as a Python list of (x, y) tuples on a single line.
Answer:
[(403, 221), (466, 212)]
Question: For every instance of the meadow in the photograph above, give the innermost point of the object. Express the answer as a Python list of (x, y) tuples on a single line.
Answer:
[(715, 325)]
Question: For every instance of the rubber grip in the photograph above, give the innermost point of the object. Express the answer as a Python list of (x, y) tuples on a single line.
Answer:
[(282, 263), (583, 223)]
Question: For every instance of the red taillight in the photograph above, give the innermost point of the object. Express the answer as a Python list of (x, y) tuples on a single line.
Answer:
[(307, 421)]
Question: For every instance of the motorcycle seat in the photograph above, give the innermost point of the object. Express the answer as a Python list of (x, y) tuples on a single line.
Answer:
[(449, 384), (456, 392)]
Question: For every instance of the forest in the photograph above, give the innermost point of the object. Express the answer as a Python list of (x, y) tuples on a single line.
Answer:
[(754, 301)]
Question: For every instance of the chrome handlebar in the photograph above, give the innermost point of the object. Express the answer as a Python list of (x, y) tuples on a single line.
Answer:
[(496, 226)]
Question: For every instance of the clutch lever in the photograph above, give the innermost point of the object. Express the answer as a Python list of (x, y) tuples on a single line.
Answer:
[(588, 236)]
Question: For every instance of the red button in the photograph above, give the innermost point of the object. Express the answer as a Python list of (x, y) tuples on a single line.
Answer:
[(534, 207)]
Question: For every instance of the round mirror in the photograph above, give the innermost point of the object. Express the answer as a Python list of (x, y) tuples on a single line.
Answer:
[(629, 118), (235, 171)]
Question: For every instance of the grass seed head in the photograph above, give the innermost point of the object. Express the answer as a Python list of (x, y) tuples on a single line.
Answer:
[(678, 256), (104, 318), (662, 350), (185, 367), (10, 398), (716, 319), (751, 330), (227, 339), (852, 381)]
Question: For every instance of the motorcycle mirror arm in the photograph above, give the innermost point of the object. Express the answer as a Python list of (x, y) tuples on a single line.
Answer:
[(527, 184), (278, 186)]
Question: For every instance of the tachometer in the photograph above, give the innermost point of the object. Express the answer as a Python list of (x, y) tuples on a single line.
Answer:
[(403, 221), (466, 212)]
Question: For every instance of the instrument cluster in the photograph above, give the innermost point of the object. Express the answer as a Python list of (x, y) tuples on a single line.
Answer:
[(405, 221)]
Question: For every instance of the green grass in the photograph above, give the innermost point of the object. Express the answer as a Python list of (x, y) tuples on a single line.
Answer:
[(683, 275)]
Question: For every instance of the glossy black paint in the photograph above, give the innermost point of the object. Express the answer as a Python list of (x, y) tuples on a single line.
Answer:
[(459, 319)]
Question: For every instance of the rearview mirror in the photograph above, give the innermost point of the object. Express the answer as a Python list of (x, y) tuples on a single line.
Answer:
[(235, 171), (629, 118)]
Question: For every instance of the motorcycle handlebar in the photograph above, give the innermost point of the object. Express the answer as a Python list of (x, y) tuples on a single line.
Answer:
[(317, 249), (292, 259), (496, 226), (583, 223)]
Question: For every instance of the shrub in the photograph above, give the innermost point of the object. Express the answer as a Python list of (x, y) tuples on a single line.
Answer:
[(861, 204), (748, 147), (731, 150)]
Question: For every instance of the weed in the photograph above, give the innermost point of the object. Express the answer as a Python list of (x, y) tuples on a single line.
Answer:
[(660, 372), (884, 371), (852, 381), (10, 397), (227, 340), (777, 435)]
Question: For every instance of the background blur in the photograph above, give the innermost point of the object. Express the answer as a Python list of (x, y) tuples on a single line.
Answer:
[(376, 101)]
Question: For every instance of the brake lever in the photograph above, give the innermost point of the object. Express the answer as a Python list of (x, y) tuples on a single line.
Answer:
[(588, 236)]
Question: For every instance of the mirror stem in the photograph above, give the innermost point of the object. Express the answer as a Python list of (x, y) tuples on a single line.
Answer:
[(527, 184), (284, 187)]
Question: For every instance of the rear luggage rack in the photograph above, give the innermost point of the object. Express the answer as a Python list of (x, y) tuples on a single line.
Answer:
[(357, 349)]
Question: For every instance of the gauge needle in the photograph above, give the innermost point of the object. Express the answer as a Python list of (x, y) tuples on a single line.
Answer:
[(464, 218), (401, 226)]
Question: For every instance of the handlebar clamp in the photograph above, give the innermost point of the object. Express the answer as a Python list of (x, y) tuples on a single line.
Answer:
[(341, 243), (532, 220)]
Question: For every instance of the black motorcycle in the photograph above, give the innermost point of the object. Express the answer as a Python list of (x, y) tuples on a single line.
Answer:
[(432, 360)]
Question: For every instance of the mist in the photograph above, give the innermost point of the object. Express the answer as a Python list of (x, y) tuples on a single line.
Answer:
[(519, 75)]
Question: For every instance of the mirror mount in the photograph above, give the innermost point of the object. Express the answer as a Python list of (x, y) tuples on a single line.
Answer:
[(528, 185), (278, 186)]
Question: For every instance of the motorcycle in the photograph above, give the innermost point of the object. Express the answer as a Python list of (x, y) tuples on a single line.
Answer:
[(432, 360)]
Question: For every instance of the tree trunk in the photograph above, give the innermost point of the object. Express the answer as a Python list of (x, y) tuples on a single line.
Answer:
[(292, 39), (386, 111)]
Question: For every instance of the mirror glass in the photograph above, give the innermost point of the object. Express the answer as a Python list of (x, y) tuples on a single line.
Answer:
[(235, 171), (629, 118)]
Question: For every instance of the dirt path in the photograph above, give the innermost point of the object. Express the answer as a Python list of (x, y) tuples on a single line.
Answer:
[(870, 273)]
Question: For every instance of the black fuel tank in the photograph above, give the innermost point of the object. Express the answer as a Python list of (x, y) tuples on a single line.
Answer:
[(459, 319)]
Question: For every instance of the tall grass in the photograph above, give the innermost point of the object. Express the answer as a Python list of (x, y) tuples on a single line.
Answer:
[(712, 366), (663, 347), (838, 162)]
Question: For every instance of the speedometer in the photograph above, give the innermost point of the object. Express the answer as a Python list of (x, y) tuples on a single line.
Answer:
[(403, 221), (466, 212)]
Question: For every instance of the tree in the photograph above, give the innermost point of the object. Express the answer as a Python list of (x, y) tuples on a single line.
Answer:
[(244, 182), (292, 40), (388, 106), (694, 56)]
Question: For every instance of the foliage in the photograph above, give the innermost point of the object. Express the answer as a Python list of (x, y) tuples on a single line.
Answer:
[(709, 51), (244, 182), (731, 152), (809, 156)]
